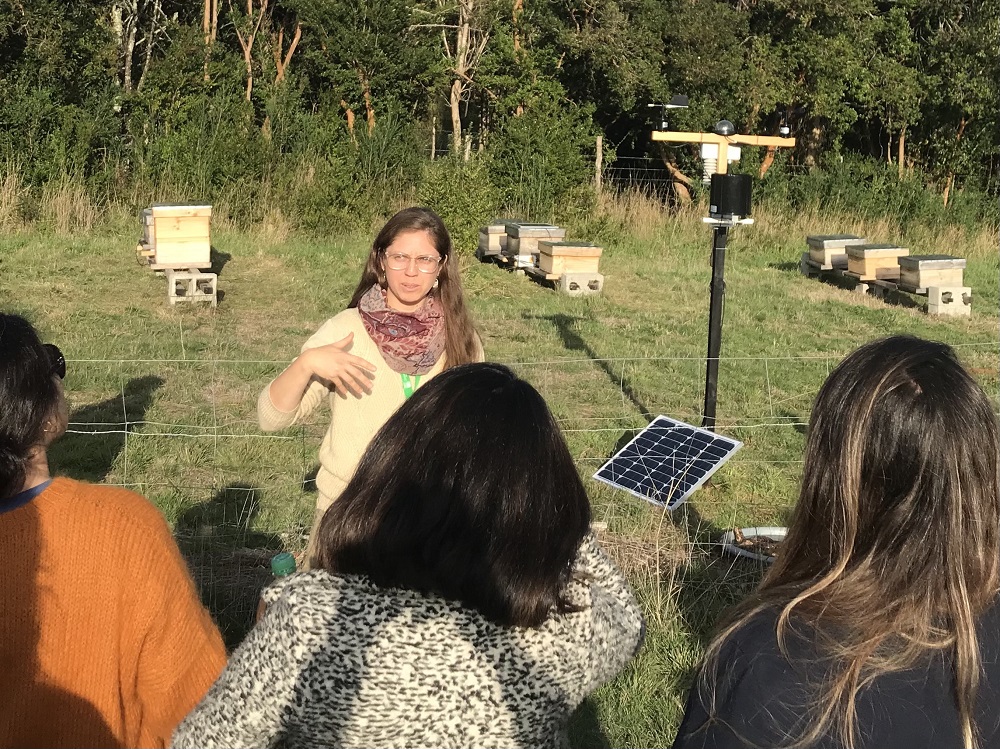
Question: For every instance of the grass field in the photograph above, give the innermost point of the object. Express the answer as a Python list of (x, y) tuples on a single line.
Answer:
[(164, 399)]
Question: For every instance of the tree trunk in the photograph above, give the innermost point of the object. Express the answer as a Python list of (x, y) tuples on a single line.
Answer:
[(598, 164), (888, 143), (350, 119), (246, 42), (210, 28), (515, 21), (901, 152), (248, 60), (813, 144), (282, 58), (456, 115), (766, 163), (366, 92), (433, 136), (681, 182), (130, 24)]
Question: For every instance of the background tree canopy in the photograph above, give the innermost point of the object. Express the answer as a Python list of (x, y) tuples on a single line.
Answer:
[(330, 110)]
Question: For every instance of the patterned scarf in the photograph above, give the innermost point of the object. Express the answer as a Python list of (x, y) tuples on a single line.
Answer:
[(410, 342)]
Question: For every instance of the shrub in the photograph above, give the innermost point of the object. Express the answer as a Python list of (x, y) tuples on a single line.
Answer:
[(539, 156), (462, 193)]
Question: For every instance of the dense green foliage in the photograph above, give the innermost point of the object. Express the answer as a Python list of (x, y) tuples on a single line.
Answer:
[(326, 110)]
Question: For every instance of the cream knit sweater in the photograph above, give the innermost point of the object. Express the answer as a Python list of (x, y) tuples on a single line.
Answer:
[(355, 420)]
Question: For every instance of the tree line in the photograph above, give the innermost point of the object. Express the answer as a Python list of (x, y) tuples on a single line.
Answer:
[(345, 100)]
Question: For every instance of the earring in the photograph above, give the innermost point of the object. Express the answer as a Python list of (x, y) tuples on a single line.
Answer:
[(435, 284)]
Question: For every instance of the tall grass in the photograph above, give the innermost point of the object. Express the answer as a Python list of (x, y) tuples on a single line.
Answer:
[(66, 206), (11, 194)]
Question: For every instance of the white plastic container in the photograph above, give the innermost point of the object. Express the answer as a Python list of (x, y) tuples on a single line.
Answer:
[(774, 533)]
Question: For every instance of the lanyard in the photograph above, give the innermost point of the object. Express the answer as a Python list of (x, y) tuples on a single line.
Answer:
[(409, 384)]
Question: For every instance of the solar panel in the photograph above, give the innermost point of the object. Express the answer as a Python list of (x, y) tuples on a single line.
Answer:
[(667, 461)]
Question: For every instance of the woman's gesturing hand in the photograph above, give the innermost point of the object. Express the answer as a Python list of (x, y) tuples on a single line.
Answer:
[(345, 372)]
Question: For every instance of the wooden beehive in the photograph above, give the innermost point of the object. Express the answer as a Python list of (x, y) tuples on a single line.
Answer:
[(922, 271), (830, 250), (523, 239), (492, 239), (875, 261), (177, 236), (568, 257)]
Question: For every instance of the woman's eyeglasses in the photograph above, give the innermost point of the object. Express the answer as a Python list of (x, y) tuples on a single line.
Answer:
[(57, 359), (399, 261)]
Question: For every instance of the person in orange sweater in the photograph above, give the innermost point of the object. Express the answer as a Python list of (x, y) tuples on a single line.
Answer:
[(103, 640)]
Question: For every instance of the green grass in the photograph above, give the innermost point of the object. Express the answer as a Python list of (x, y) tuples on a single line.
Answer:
[(189, 378)]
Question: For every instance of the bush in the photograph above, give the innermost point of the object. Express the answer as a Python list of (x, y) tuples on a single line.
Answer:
[(540, 156), (462, 193), (870, 189)]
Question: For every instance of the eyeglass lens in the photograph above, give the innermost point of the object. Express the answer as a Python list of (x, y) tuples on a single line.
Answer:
[(425, 264)]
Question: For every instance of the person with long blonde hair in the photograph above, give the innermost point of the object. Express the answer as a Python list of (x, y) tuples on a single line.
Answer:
[(407, 321), (877, 626)]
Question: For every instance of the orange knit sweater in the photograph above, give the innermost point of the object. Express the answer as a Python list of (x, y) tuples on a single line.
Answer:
[(103, 641)]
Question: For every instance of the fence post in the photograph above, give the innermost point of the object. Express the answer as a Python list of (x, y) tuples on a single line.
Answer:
[(599, 162), (434, 120)]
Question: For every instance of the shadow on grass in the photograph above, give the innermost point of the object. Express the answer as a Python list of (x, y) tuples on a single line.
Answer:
[(309, 480), (565, 326), (230, 562), (585, 730), (97, 432), (784, 267), (799, 423), (219, 260), (712, 581)]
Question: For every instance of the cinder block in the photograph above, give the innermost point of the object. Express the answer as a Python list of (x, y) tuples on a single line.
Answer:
[(581, 284), (953, 301), (192, 286)]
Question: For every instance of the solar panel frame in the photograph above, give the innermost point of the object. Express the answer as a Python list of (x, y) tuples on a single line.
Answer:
[(667, 462)]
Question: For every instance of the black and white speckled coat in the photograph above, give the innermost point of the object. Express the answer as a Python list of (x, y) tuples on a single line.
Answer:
[(339, 662)]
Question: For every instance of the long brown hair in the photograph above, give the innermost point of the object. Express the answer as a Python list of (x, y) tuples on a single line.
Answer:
[(893, 549), (461, 340)]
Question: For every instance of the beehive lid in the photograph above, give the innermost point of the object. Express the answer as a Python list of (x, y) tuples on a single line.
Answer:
[(175, 211), (535, 230), (833, 241), (931, 262), (498, 226), (876, 250), (570, 249)]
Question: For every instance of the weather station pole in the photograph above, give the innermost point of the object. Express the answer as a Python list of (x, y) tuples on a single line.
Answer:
[(716, 305), (729, 206)]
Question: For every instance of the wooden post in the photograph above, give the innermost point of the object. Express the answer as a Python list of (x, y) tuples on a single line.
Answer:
[(599, 164), (723, 142), (434, 120)]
